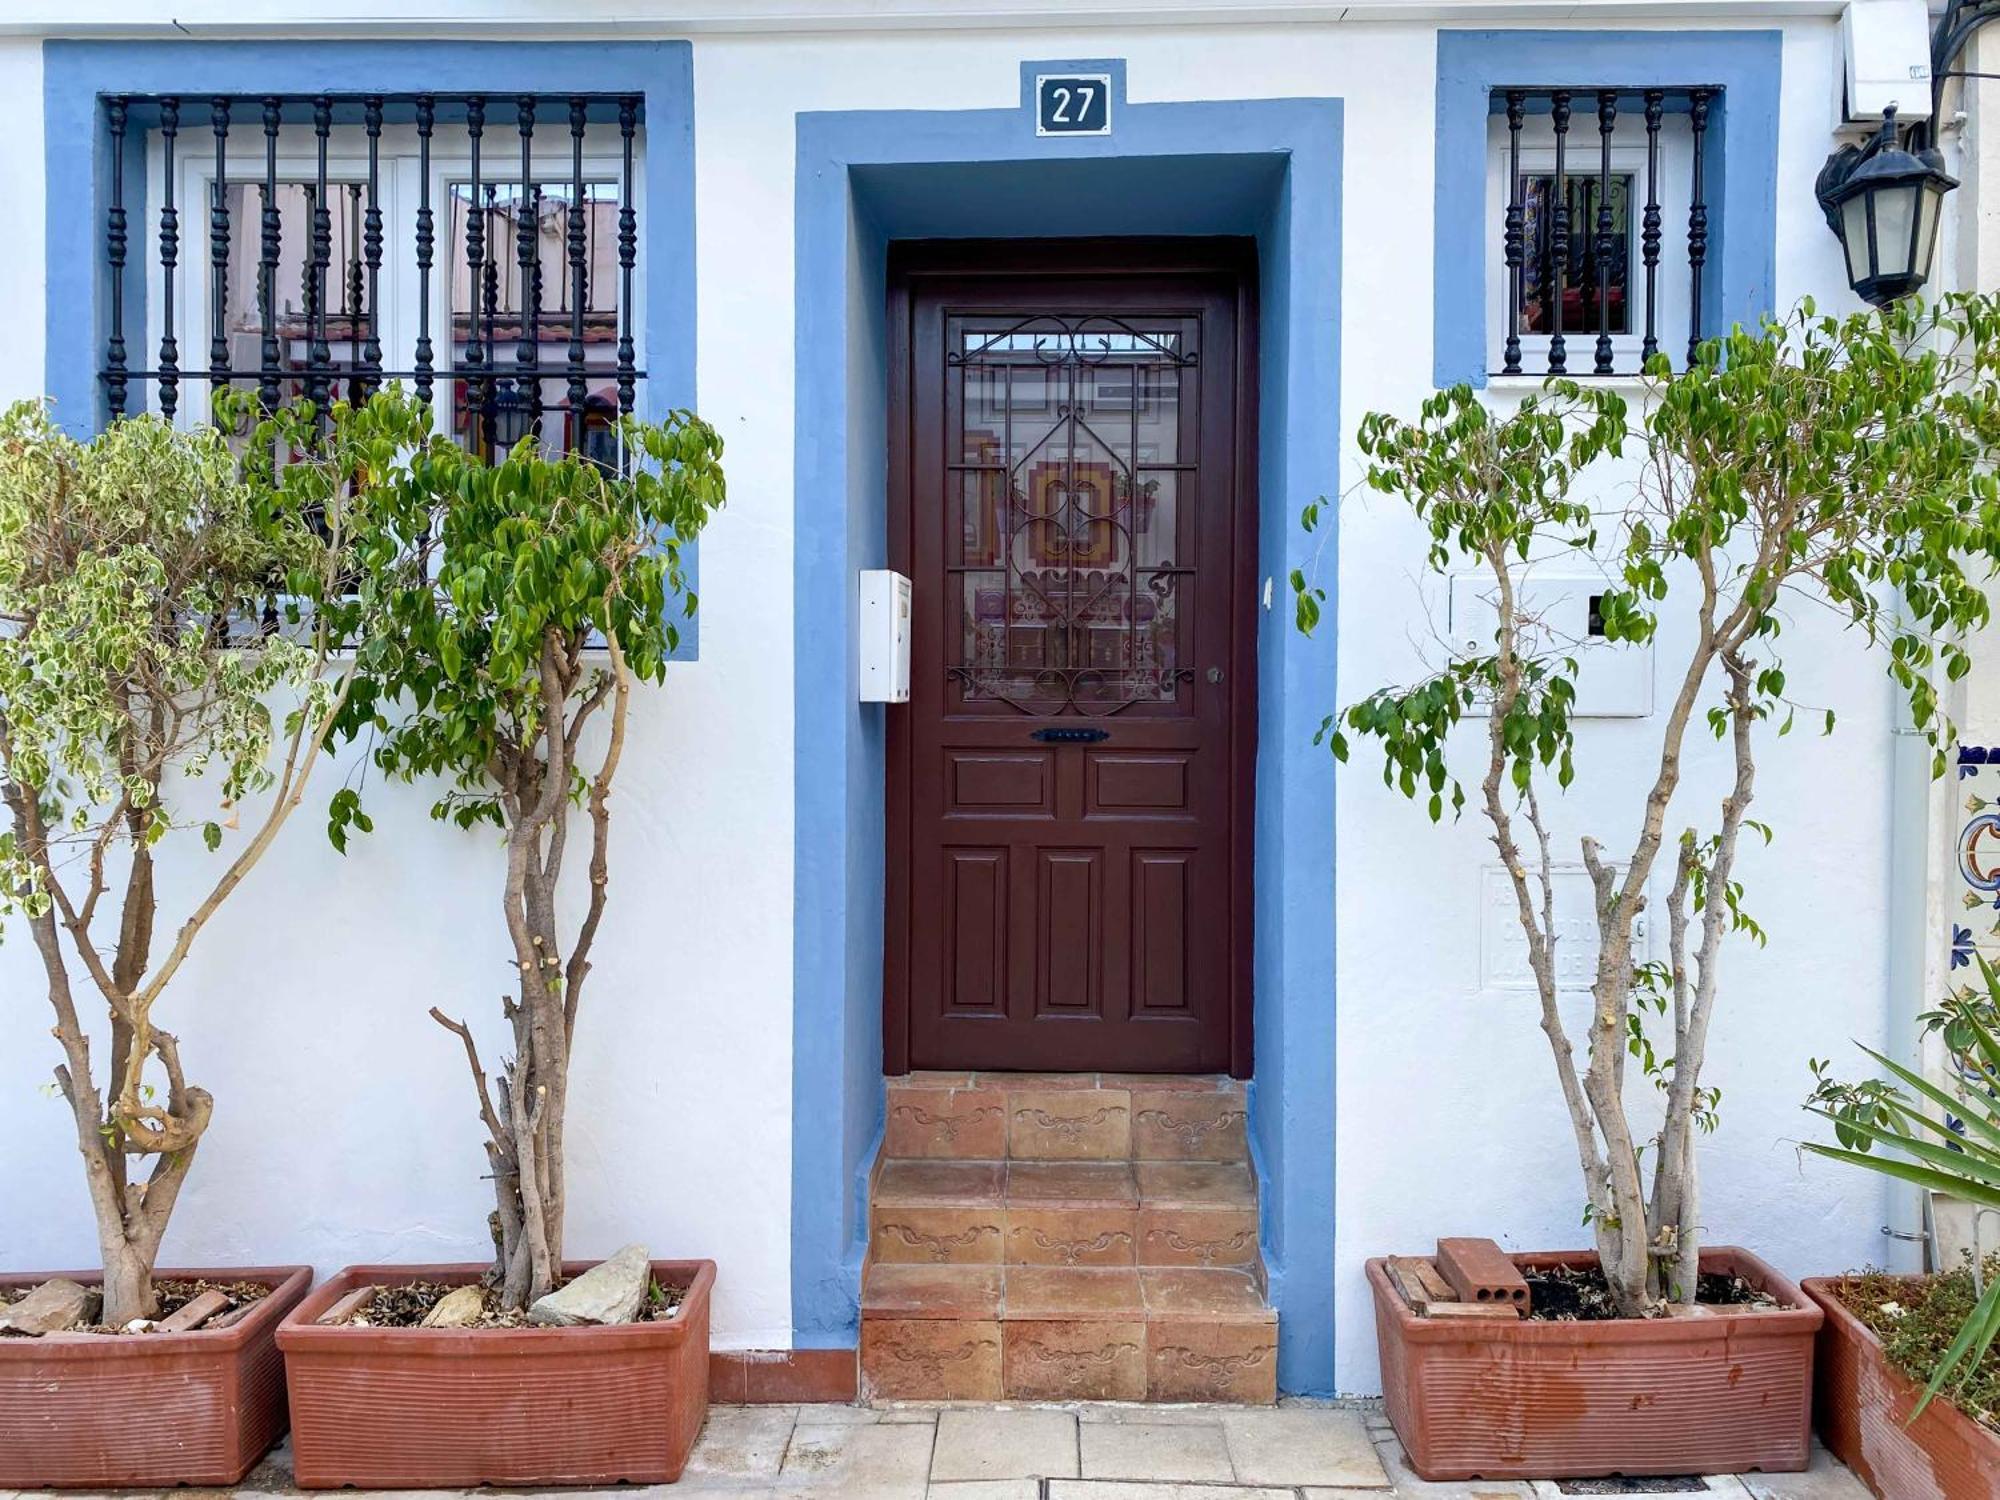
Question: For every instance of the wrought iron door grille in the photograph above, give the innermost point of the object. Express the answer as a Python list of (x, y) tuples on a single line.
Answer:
[(533, 196), (1583, 250), (1069, 512)]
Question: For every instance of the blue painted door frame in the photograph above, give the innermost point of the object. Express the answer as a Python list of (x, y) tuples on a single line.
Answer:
[(1265, 168)]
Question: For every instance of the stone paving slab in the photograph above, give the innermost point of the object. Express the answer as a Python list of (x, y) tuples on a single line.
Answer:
[(1295, 1446), (1176, 1451), (842, 1458), (1006, 1443)]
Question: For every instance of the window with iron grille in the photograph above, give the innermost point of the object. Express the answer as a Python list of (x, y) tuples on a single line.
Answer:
[(1599, 228), (482, 250)]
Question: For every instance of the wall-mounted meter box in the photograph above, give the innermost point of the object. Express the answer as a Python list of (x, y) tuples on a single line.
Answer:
[(1614, 679), (1888, 45), (885, 636)]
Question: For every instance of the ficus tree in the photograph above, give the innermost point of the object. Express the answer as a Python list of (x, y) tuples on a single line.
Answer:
[(1843, 463), (157, 689), (523, 599)]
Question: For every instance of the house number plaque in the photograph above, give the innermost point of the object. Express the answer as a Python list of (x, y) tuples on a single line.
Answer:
[(1073, 104)]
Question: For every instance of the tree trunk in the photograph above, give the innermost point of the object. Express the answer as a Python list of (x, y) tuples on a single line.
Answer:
[(128, 1282)]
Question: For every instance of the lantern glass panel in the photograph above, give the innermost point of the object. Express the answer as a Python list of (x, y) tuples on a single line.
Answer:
[(1895, 224), (1854, 237), (1930, 198)]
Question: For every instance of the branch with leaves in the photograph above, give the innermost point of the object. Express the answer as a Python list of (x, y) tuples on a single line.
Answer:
[(1845, 463), (515, 604), (146, 629)]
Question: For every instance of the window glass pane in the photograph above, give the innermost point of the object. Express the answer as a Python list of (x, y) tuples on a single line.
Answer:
[(511, 305), (1580, 296), (295, 289)]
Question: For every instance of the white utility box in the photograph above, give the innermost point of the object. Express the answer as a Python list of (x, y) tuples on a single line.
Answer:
[(1614, 679), (885, 636), (1888, 45)]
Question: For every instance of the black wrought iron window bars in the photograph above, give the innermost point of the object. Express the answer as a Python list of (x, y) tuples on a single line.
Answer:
[(319, 347), (1586, 264)]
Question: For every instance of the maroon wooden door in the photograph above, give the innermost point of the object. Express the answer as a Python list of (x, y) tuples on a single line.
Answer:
[(1069, 785)]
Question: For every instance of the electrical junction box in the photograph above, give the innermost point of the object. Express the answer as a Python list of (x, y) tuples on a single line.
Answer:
[(1888, 45), (1614, 679), (885, 636)]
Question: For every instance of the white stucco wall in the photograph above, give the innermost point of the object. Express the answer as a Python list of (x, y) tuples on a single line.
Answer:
[(344, 1130)]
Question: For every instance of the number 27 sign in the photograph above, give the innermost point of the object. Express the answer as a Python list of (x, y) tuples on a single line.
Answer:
[(1073, 104)]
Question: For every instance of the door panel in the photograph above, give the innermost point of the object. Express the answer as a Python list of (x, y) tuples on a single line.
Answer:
[(1069, 795)]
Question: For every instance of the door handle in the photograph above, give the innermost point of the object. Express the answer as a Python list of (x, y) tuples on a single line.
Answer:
[(1070, 736)]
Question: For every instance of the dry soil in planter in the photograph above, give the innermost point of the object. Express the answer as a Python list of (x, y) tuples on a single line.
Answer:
[(102, 1411), (1864, 1400)]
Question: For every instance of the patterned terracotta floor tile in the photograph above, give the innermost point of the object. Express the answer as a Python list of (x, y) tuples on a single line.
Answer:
[(1197, 1237), (1037, 1236), (1069, 1125), (945, 1122), (930, 1359), (904, 1235), (1176, 1126), (1073, 1360), (1210, 1361)]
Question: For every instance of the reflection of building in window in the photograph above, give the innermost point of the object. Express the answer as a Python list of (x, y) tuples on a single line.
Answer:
[(1581, 293), (1072, 450), (514, 306)]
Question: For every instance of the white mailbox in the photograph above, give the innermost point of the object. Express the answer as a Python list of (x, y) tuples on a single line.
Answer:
[(885, 636), (1614, 680)]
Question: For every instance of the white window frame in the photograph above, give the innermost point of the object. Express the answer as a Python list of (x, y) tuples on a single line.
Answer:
[(1581, 159)]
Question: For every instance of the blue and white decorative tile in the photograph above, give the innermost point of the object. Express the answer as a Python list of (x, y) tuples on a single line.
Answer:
[(1976, 929)]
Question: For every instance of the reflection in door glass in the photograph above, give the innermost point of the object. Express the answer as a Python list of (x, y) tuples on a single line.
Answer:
[(1070, 539)]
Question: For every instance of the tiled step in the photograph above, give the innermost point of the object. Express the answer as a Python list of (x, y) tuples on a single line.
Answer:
[(1085, 1236), (1066, 1117), (1200, 1214), (1039, 1333)]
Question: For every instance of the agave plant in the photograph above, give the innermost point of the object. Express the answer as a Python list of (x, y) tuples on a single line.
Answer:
[(1945, 1140)]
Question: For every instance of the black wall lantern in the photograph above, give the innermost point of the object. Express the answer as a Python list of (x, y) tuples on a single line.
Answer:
[(1883, 200)]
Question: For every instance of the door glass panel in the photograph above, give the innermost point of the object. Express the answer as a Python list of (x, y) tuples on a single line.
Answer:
[(1073, 554)]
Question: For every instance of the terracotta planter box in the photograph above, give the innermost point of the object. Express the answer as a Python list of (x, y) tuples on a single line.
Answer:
[(1710, 1393), (101, 1411), (1864, 1407), (421, 1408)]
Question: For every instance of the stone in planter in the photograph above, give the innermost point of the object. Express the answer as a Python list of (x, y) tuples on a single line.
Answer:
[(56, 1304), (1864, 1405), (149, 1410), (438, 1408), (612, 1291), (457, 1308), (1517, 1399)]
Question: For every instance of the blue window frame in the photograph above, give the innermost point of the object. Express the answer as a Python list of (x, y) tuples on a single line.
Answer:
[(85, 84), (1739, 154)]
